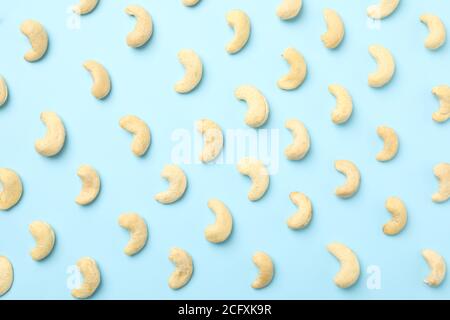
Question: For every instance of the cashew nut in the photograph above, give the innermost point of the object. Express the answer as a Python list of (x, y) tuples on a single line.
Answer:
[(289, 9), (386, 66), (190, 3), (141, 132), (299, 148), (258, 108), (3, 91), (221, 229), (344, 104), (443, 94), (297, 73), (437, 265), (383, 9), (266, 270), (37, 36), (101, 82), (437, 34), (390, 139), (212, 139), (349, 271), (399, 216), (53, 141), (302, 217), (442, 172), (259, 175), (91, 278), (177, 184), (90, 185), (240, 22), (11, 188), (335, 29), (193, 71), (143, 29), (6, 275), (183, 268), (44, 236), (137, 227), (351, 186), (85, 6)]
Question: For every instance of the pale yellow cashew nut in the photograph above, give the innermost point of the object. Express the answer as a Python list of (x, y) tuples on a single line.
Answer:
[(266, 270), (11, 188), (141, 132), (193, 71), (437, 267), (53, 141), (137, 227), (442, 172), (300, 145), (335, 29), (351, 186), (212, 139), (442, 92), (240, 22), (44, 236), (91, 278), (383, 9), (302, 217), (258, 174), (399, 216), (437, 33), (101, 85), (6, 275), (386, 66), (391, 144), (289, 9), (85, 6), (297, 72), (349, 270), (38, 38), (183, 268), (3, 91), (90, 185), (177, 184), (143, 29), (222, 227), (344, 104), (258, 108), (190, 3)]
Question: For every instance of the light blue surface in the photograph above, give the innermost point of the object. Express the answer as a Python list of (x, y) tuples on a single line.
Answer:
[(142, 85)]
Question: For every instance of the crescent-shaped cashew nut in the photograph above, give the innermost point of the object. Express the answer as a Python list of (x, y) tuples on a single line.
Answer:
[(190, 3), (344, 104), (399, 216), (386, 66), (259, 175), (53, 141), (299, 147), (193, 71), (240, 22), (91, 278), (443, 94), (3, 91), (390, 139), (383, 9), (183, 268), (349, 271), (297, 73), (351, 186), (90, 185), (85, 6), (177, 184), (258, 108), (221, 229), (442, 172), (44, 236), (101, 85), (11, 188), (137, 227), (437, 265), (212, 139), (36, 34), (302, 217), (437, 34), (289, 9), (6, 275), (266, 270), (143, 29), (335, 29), (141, 132)]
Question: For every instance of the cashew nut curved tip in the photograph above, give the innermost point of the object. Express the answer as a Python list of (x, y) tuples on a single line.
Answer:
[(38, 38), (302, 217), (85, 6), (386, 66), (383, 9), (266, 270), (221, 229), (6, 275), (101, 82), (299, 147), (437, 34), (258, 108), (11, 188), (91, 278), (193, 71), (53, 141), (212, 139), (399, 216), (390, 139), (335, 29), (259, 175), (437, 265), (3, 91), (289, 9), (183, 268), (137, 227), (443, 94), (190, 3), (143, 29), (177, 184), (344, 104), (240, 22), (351, 186), (44, 236), (141, 132), (297, 72), (90, 185), (442, 172), (349, 271)]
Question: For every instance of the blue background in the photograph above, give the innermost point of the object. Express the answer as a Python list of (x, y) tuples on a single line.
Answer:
[(143, 85)]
